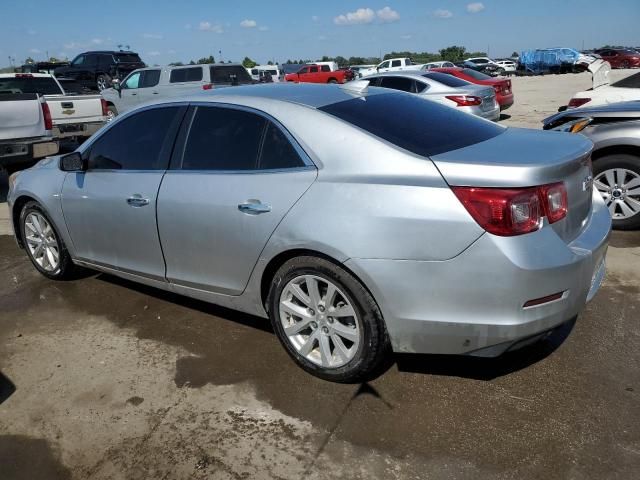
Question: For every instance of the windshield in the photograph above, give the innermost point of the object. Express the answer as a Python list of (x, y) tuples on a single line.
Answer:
[(127, 58), (40, 85), (427, 128), (475, 74), (446, 79)]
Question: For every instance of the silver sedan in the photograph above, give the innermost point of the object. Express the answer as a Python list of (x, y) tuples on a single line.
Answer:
[(360, 221), (446, 89)]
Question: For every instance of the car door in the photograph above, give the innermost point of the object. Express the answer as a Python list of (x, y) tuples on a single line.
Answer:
[(76, 68), (130, 92), (239, 174), (384, 66), (110, 209), (149, 89)]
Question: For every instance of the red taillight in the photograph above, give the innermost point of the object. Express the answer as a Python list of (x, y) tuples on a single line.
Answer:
[(577, 102), (514, 211), (465, 100), (24, 75), (554, 199), (46, 113), (207, 86), (105, 107)]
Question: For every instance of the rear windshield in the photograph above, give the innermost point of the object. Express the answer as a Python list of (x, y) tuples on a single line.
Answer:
[(630, 82), (127, 58), (427, 128), (448, 80), (41, 85), (475, 74), (234, 74)]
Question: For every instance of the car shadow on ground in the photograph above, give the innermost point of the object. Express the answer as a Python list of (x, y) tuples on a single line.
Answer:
[(479, 368), (504, 116), (447, 365), (7, 388)]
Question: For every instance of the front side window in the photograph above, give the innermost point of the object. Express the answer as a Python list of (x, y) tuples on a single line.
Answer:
[(180, 75), (133, 81), (223, 139), (384, 64), (135, 143), (79, 60)]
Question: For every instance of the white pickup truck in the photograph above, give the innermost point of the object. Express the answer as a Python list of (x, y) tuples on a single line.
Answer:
[(391, 65), (77, 116), (25, 130)]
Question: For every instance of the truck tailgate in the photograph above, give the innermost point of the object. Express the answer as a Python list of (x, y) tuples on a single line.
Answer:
[(72, 109), (21, 116)]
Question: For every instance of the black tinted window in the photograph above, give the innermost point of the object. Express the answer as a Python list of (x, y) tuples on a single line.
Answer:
[(134, 143), (277, 151), (448, 80), (397, 83), (186, 75), (325, 68), (40, 85), (396, 63), (427, 128), (475, 74), (234, 74), (223, 139), (150, 78), (127, 58)]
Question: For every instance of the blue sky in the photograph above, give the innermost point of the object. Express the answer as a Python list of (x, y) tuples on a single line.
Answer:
[(163, 31)]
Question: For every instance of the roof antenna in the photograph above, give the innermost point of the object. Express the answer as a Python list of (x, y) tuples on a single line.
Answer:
[(359, 87)]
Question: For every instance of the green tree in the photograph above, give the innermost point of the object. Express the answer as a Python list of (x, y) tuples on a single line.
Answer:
[(176, 64), (29, 60), (248, 63), (269, 62), (453, 53), (515, 54), (205, 60), (326, 59), (341, 61), (476, 54)]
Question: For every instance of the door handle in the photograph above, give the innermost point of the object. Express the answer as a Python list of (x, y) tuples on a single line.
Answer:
[(155, 93), (254, 207), (137, 201)]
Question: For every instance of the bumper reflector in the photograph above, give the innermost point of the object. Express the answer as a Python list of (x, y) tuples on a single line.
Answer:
[(542, 300)]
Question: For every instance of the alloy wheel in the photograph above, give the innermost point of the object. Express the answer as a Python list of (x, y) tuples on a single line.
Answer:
[(102, 84), (319, 321), (620, 189), (42, 242)]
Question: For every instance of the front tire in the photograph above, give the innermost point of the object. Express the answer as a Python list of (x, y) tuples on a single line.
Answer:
[(617, 178), (327, 321), (43, 244)]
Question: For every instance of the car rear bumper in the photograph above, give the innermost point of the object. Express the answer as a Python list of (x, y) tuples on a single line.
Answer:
[(475, 303), (505, 101), (24, 152), (76, 129)]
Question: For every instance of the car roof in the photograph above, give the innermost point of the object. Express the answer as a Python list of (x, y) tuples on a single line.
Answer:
[(125, 52), (306, 94)]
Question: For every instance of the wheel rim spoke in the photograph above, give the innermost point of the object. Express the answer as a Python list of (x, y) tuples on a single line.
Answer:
[(325, 350), (345, 331), (42, 242), (297, 327), (297, 292), (343, 311), (342, 350), (295, 310), (309, 345), (312, 287)]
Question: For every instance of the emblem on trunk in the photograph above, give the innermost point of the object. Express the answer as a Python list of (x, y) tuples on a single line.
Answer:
[(587, 183), (69, 111)]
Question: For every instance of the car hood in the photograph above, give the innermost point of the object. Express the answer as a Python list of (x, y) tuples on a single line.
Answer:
[(600, 71)]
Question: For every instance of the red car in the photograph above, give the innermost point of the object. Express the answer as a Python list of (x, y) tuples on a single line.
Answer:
[(319, 74), (620, 58), (504, 94)]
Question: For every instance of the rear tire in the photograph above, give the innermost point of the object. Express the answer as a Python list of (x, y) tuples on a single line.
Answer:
[(43, 244), (347, 319), (615, 177), (332, 80)]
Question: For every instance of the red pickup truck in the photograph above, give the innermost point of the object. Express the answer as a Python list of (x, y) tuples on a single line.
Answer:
[(319, 74)]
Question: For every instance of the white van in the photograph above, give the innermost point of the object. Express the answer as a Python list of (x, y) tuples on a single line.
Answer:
[(153, 83), (258, 72)]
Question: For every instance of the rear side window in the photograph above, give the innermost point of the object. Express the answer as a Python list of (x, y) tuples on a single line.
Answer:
[(325, 68), (223, 139), (151, 78), (180, 75), (398, 83), (233, 74), (135, 143), (277, 151), (427, 128), (448, 80), (127, 58), (313, 70), (396, 63)]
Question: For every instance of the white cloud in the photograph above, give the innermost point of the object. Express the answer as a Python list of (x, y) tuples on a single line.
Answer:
[(475, 7), (441, 13), (322, 38), (153, 53), (188, 26), (154, 36), (387, 15), (35, 50), (406, 37), (248, 23), (73, 46), (208, 27), (360, 16), (31, 31), (263, 28), (315, 18), (97, 41), (171, 52)]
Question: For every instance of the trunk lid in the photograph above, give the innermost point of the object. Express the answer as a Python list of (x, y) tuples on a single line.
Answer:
[(526, 158), (70, 109)]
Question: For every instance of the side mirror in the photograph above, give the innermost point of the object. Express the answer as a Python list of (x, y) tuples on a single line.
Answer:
[(73, 162), (115, 83)]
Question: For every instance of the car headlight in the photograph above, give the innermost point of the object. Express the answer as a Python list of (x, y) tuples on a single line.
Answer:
[(574, 126)]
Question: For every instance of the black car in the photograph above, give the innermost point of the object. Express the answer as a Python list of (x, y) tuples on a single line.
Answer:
[(96, 70)]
